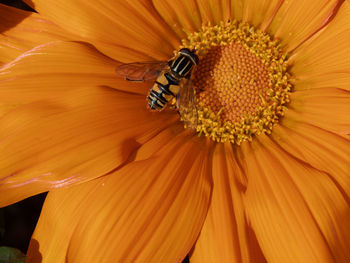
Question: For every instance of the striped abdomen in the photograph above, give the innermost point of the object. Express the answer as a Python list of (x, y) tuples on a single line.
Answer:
[(164, 89)]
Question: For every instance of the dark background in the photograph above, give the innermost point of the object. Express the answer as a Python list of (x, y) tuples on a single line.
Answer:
[(17, 222), (17, 3)]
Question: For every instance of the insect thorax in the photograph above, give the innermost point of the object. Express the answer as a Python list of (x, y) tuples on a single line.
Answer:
[(181, 66)]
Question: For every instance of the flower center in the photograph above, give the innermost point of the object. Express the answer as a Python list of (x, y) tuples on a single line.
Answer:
[(241, 81)]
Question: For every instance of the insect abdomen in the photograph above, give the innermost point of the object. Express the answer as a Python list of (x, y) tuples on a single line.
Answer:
[(164, 89)]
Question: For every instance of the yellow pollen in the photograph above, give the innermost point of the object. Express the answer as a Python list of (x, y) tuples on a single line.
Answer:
[(241, 81)]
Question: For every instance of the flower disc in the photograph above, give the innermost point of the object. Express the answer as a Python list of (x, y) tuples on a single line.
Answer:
[(241, 81)]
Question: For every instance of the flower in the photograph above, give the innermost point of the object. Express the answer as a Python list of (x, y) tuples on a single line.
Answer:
[(127, 185)]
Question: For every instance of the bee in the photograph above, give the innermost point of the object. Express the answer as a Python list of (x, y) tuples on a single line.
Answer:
[(172, 80)]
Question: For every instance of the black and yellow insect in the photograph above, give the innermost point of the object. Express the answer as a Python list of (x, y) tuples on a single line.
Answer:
[(172, 80)]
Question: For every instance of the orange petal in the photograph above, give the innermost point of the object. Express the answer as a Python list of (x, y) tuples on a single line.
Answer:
[(256, 12), (182, 17), (321, 149), (22, 30), (323, 61), (226, 235), (327, 108), (188, 16), (214, 11), (133, 25), (75, 138), (297, 212), (298, 20), (55, 68), (148, 211)]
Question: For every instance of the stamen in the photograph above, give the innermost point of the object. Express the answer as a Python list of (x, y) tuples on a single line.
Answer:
[(242, 84)]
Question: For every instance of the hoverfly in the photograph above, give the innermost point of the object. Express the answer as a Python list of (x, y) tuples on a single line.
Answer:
[(172, 80)]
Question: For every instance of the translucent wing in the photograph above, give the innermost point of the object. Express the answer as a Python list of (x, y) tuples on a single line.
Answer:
[(186, 104), (140, 71)]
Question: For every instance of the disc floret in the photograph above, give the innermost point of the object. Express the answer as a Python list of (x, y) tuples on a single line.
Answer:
[(242, 84)]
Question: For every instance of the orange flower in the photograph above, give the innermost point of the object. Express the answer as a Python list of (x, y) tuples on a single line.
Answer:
[(265, 178)]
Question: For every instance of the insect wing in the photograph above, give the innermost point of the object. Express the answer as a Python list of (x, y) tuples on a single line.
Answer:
[(141, 71), (186, 104)]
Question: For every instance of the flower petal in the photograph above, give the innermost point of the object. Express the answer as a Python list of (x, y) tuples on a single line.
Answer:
[(75, 138), (323, 61), (150, 210), (321, 149), (327, 108), (297, 212), (226, 235), (133, 25), (256, 12), (182, 17), (214, 11), (22, 30), (298, 20), (189, 16), (55, 68)]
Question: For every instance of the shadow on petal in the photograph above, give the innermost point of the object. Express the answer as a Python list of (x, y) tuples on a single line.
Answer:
[(338, 244), (35, 255), (10, 21)]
